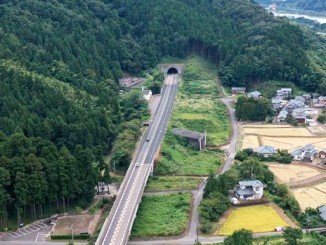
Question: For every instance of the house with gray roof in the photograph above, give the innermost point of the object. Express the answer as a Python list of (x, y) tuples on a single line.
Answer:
[(249, 190), (266, 151), (282, 116), (254, 94), (284, 92), (322, 212), (238, 90), (306, 153), (276, 103)]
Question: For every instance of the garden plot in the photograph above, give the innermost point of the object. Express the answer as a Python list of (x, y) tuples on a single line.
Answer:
[(261, 218), (287, 173)]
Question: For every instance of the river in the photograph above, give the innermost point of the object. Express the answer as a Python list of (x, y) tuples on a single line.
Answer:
[(321, 20)]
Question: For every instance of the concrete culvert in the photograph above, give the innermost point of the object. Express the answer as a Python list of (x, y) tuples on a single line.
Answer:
[(172, 70)]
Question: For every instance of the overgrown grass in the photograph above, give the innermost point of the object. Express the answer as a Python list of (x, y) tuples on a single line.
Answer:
[(268, 89), (197, 108), (172, 183), (162, 215)]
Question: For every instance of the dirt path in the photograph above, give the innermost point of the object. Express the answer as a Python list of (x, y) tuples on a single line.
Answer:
[(308, 182)]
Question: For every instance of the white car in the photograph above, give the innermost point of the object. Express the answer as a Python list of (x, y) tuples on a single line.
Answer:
[(137, 164)]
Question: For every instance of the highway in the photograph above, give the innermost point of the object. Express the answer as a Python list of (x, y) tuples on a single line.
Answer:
[(117, 227)]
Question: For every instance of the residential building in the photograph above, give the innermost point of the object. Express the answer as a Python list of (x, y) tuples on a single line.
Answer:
[(277, 103), (254, 94), (307, 97), (322, 154), (284, 92), (238, 90), (266, 151), (249, 190), (282, 116), (196, 139), (306, 153), (301, 118)]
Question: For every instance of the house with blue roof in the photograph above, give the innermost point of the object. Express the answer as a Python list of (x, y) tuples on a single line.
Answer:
[(249, 190), (306, 153), (266, 151)]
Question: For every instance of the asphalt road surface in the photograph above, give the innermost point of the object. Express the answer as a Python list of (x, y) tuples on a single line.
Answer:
[(117, 227)]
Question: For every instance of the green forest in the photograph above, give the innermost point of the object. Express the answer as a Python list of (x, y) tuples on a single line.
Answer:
[(60, 62)]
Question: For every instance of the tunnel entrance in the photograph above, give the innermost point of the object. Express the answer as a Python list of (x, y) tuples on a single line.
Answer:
[(172, 70)]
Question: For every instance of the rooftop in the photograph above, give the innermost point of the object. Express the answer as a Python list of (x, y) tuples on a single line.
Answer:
[(255, 94), (238, 89), (265, 149), (322, 211), (254, 183)]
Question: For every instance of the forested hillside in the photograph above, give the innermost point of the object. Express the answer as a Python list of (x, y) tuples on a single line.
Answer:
[(60, 62)]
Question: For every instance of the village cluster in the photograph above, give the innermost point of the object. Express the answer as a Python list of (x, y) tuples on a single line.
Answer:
[(306, 147)]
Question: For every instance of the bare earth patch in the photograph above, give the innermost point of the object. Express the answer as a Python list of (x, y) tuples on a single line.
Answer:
[(79, 223), (287, 173)]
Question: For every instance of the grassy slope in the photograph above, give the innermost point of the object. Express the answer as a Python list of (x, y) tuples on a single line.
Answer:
[(162, 215), (172, 183), (196, 108)]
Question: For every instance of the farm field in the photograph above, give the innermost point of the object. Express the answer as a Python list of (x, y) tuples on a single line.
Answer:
[(283, 137), (311, 197), (261, 218), (274, 130), (287, 173), (162, 215)]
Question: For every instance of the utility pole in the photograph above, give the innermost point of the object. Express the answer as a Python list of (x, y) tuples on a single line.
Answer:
[(72, 233)]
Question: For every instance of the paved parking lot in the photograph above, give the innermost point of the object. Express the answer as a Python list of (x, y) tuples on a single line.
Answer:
[(36, 232)]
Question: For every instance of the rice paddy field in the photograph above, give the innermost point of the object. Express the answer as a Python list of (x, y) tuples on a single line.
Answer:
[(311, 197), (261, 218), (287, 173), (283, 137)]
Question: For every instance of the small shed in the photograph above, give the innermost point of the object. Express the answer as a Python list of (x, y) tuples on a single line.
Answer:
[(196, 139)]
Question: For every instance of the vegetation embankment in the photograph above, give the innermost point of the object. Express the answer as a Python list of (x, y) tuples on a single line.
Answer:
[(163, 215), (160, 183), (196, 109)]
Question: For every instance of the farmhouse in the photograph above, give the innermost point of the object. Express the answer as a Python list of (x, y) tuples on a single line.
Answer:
[(293, 104), (302, 118), (238, 90), (266, 151), (282, 116), (322, 154), (284, 92), (194, 138), (249, 190), (306, 153), (254, 94), (277, 103)]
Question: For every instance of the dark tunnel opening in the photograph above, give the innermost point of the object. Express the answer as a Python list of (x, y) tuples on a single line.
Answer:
[(172, 70)]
